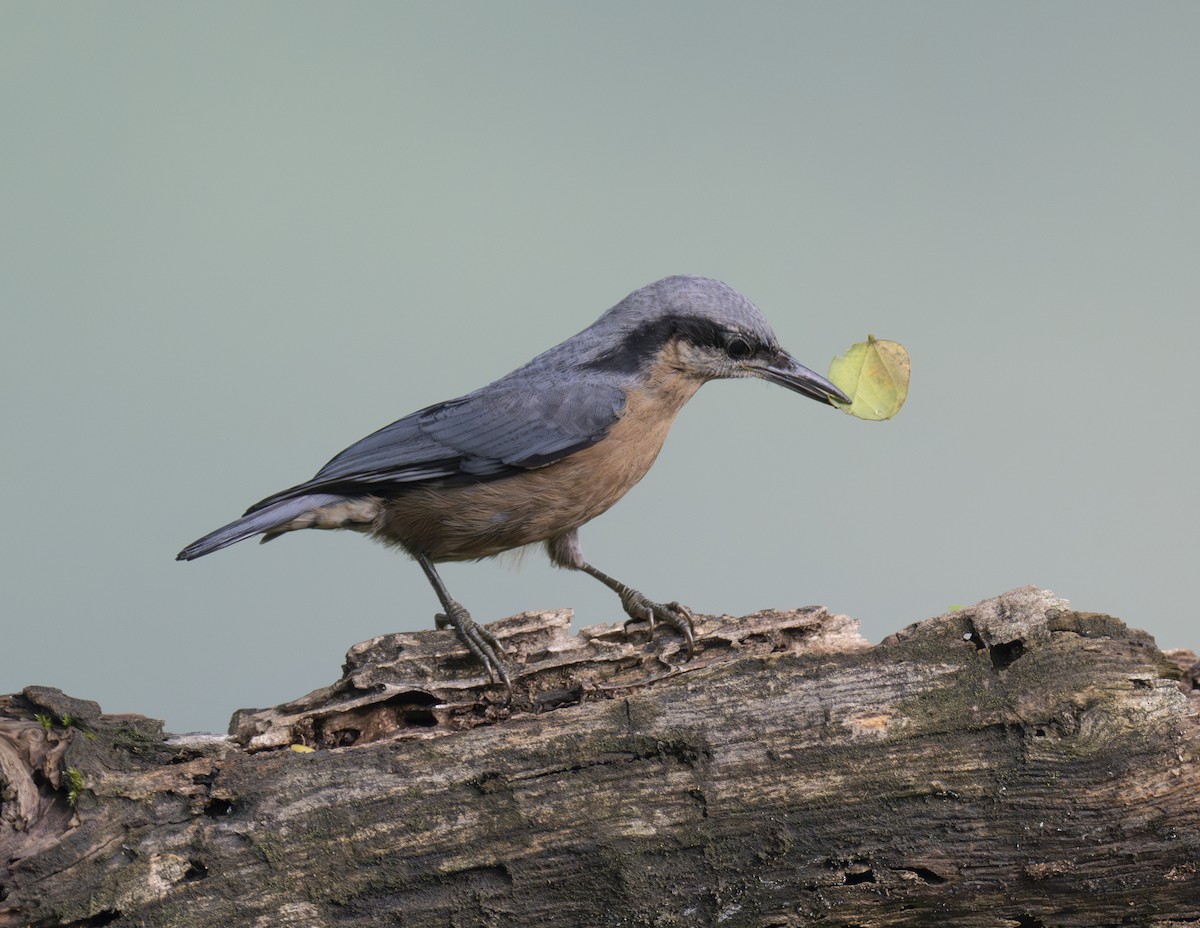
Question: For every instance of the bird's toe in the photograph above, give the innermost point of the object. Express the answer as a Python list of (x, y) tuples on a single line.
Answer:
[(676, 615), (483, 645)]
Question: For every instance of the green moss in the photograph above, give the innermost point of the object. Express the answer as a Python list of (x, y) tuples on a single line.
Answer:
[(136, 741), (75, 784), (271, 849), (971, 693)]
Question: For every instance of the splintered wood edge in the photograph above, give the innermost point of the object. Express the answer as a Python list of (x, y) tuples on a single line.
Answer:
[(425, 684)]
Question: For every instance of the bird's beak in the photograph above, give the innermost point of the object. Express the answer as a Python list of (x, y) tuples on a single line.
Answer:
[(786, 371)]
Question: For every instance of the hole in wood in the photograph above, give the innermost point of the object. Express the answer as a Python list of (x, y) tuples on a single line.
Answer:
[(218, 807), (1004, 655)]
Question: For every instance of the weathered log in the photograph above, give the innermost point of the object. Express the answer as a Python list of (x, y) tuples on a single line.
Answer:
[(1012, 763)]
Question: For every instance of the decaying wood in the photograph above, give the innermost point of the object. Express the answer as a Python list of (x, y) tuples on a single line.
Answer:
[(1013, 763)]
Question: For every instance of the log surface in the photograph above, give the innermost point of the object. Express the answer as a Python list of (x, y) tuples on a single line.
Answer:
[(1012, 763)]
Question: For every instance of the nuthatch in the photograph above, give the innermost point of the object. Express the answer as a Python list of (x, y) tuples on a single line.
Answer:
[(539, 452)]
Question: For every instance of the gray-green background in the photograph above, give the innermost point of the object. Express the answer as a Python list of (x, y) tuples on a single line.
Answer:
[(235, 238)]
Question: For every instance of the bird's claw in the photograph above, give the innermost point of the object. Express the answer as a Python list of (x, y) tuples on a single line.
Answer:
[(478, 640), (676, 615)]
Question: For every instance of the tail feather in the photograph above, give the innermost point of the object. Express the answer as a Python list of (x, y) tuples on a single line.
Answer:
[(254, 523)]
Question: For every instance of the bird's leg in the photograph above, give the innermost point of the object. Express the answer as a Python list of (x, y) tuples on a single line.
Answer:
[(564, 551), (478, 640), (641, 609)]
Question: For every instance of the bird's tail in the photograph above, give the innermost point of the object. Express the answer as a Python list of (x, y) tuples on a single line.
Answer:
[(255, 523)]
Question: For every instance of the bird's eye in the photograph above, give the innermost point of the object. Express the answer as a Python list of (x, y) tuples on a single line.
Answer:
[(738, 348)]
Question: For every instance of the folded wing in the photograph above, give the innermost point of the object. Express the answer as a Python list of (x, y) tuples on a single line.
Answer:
[(502, 429)]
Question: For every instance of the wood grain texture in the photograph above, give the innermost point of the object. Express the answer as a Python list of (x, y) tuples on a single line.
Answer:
[(1014, 763)]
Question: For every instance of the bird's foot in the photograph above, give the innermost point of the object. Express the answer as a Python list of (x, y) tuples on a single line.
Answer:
[(478, 640), (678, 616)]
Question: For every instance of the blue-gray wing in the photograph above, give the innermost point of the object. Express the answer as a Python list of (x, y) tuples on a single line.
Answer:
[(501, 429)]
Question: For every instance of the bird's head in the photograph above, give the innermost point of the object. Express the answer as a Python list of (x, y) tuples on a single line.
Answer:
[(705, 329)]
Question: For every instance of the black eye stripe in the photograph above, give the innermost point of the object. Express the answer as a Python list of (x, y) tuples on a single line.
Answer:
[(639, 345)]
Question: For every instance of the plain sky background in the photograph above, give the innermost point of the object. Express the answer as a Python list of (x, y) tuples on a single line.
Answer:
[(235, 238)]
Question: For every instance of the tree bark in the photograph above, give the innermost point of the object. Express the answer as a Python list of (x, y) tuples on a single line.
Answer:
[(1012, 763)]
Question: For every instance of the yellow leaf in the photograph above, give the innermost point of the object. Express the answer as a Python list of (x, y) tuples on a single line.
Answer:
[(302, 749), (874, 374)]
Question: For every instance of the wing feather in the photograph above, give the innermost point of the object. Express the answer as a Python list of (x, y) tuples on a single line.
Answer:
[(509, 426)]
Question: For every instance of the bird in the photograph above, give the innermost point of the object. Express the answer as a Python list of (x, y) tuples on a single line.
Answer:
[(535, 455)]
